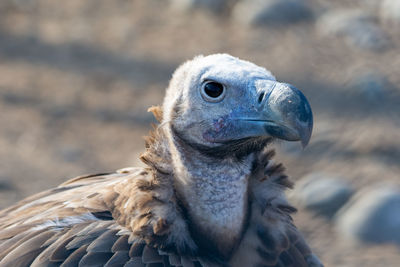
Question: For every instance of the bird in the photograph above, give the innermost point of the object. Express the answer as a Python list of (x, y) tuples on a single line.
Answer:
[(209, 193)]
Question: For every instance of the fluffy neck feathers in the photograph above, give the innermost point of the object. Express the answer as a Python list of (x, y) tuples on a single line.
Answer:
[(214, 195)]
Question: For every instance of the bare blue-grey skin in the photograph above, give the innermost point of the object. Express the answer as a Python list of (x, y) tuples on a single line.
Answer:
[(254, 104), (275, 109)]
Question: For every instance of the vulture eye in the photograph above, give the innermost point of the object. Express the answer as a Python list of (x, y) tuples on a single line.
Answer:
[(213, 91)]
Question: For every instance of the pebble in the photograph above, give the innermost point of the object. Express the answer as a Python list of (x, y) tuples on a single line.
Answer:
[(357, 27), (70, 153), (271, 12), (371, 5), (214, 6), (373, 215), (322, 193), (371, 85), (390, 11), (5, 184)]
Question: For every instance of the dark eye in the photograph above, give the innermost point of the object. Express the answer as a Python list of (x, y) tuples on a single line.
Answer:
[(213, 91)]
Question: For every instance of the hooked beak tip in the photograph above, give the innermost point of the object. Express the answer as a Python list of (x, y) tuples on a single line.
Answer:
[(287, 106)]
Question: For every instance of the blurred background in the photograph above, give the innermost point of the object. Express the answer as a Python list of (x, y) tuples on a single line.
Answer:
[(76, 79)]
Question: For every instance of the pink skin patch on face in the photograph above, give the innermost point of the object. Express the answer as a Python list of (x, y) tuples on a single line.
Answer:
[(217, 131), (219, 124)]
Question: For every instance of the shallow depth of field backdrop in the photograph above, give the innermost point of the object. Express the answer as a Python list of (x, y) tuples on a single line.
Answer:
[(76, 79)]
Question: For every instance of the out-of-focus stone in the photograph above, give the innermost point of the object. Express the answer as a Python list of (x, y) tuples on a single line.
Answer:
[(70, 153), (373, 215), (390, 11), (8, 191), (356, 26), (371, 85), (322, 193), (210, 5), (271, 12), (5, 183), (23, 5), (372, 5)]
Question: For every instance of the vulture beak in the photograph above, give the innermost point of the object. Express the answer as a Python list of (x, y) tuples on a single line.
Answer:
[(282, 112)]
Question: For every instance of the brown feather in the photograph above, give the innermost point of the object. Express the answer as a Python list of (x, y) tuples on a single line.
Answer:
[(7, 244), (119, 258), (121, 244), (81, 240), (174, 260), (150, 255), (21, 241), (136, 249), (59, 251), (104, 242), (135, 262), (12, 232), (95, 258), (74, 259), (25, 253), (157, 112)]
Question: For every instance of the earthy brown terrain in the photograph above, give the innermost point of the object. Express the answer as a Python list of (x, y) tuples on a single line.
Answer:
[(76, 79)]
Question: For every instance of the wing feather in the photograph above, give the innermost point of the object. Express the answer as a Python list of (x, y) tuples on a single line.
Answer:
[(104, 242), (135, 262), (25, 238), (151, 255), (75, 257), (25, 253), (119, 258), (95, 259), (121, 244), (95, 243)]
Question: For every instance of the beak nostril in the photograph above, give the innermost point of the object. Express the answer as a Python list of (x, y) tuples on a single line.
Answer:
[(260, 98)]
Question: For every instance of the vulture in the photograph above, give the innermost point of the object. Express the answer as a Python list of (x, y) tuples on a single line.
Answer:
[(210, 193)]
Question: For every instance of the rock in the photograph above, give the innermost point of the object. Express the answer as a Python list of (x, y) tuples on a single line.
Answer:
[(322, 193), (371, 5), (390, 11), (271, 12), (70, 153), (370, 85), (56, 112), (9, 192), (357, 27), (5, 184), (210, 5), (372, 216), (22, 5)]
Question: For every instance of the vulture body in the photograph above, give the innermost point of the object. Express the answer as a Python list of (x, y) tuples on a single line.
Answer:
[(210, 194)]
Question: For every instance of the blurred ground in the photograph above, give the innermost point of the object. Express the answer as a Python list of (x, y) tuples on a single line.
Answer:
[(77, 77)]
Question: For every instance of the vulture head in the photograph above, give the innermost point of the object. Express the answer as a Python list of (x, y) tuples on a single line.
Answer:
[(217, 100)]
